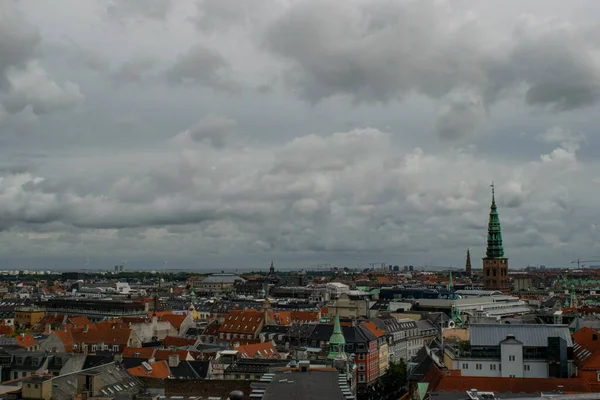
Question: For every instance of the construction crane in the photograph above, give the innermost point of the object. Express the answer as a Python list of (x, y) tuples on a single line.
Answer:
[(578, 262)]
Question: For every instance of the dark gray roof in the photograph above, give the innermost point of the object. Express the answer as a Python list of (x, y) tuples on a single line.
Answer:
[(190, 370), (115, 381), (222, 278), (530, 334), (304, 385)]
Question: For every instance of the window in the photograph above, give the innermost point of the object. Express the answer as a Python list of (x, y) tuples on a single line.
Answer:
[(465, 366), (492, 367), (477, 366), (115, 347), (526, 367), (511, 358), (361, 378)]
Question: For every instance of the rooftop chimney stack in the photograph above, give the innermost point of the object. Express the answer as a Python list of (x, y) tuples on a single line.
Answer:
[(173, 360)]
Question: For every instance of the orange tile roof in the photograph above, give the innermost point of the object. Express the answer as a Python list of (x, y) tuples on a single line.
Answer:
[(79, 321), (174, 341), (66, 339), (281, 318), (513, 385), (138, 352), (587, 349), (304, 316), (175, 319), (370, 325), (242, 322), (110, 335), (160, 370), (258, 350), (25, 340)]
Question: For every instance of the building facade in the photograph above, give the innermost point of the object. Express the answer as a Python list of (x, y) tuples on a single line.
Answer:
[(514, 351)]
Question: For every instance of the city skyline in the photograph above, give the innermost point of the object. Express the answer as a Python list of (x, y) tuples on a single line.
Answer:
[(221, 136)]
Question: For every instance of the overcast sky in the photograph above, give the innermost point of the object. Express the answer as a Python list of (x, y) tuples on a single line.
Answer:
[(221, 134)]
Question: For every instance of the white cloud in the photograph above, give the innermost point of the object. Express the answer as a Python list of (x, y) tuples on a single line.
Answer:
[(33, 87)]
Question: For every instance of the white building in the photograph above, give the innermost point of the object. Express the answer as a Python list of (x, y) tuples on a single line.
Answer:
[(336, 289), (516, 351)]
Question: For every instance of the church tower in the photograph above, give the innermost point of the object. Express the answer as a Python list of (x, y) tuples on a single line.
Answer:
[(468, 264), (495, 265), (337, 342)]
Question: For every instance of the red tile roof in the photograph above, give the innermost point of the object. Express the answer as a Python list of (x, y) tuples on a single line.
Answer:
[(104, 333), (7, 329), (175, 319), (66, 338), (138, 352), (258, 350), (370, 325), (79, 321), (160, 370), (281, 318), (305, 316), (25, 340), (513, 385), (586, 348), (242, 322)]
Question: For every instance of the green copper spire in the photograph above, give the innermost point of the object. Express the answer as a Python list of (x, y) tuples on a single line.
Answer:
[(456, 316), (494, 240), (453, 295), (337, 342)]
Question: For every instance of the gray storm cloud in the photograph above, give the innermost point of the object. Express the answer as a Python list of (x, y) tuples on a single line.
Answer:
[(347, 131)]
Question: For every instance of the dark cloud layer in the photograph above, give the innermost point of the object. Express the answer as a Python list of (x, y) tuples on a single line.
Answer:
[(223, 133)]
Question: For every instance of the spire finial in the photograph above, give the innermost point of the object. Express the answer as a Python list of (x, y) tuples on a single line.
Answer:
[(493, 193)]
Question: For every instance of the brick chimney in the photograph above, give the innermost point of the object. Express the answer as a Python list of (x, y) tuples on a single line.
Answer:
[(48, 329), (173, 360)]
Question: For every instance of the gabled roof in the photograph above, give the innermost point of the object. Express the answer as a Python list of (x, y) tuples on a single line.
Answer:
[(157, 370), (587, 348), (66, 339), (242, 322), (175, 319), (258, 350), (451, 383), (304, 316), (103, 334), (25, 340), (79, 321), (374, 329)]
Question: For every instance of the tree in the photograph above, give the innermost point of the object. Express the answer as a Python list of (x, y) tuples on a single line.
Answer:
[(394, 378)]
